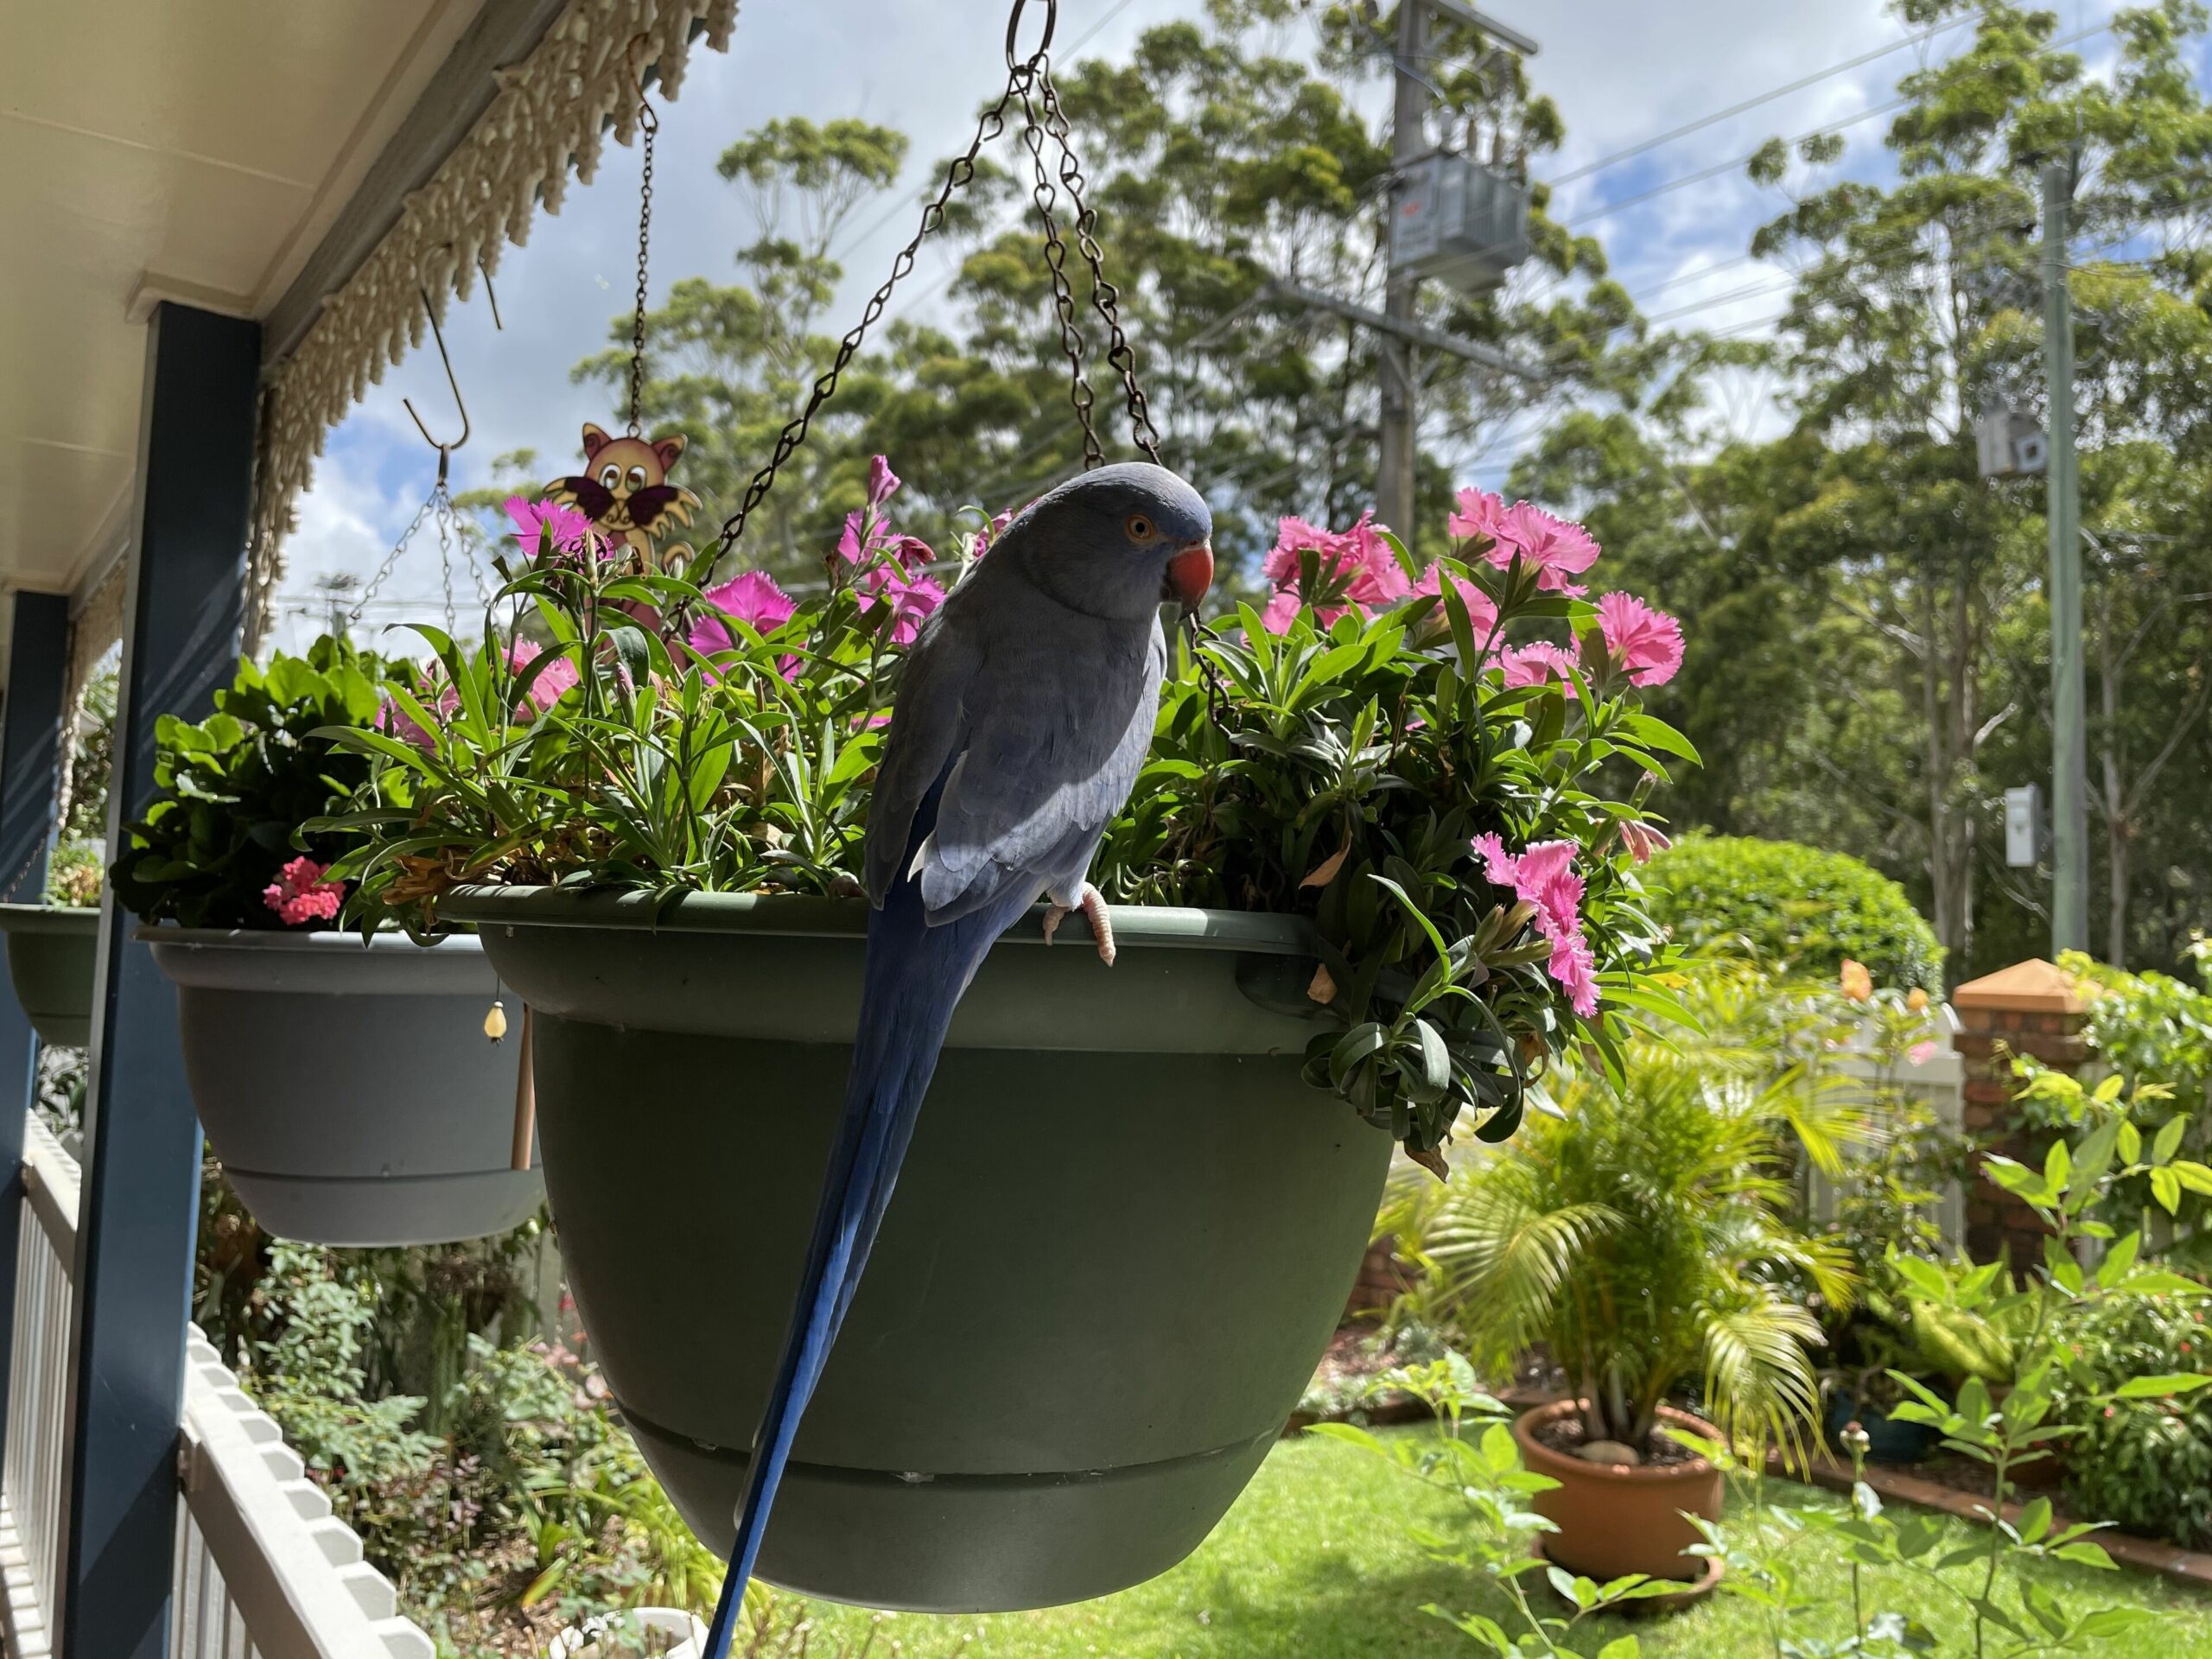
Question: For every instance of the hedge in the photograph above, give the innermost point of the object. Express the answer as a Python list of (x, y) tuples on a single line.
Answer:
[(1798, 908)]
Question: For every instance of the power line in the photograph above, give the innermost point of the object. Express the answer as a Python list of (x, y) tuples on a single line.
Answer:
[(1707, 173), (1798, 86)]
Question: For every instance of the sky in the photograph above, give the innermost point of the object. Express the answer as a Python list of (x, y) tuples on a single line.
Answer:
[(1623, 72)]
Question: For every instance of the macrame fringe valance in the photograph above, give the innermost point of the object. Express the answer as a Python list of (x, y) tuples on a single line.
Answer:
[(551, 115)]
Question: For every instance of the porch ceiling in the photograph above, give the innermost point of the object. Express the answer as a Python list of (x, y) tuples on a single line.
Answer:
[(188, 150)]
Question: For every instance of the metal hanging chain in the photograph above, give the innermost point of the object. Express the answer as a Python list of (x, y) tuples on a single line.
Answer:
[(649, 124), (956, 177), (444, 520), (1025, 76), (1056, 265), (1105, 298), (377, 580)]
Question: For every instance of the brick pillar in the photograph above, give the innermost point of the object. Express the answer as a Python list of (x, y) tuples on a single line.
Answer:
[(2028, 1008)]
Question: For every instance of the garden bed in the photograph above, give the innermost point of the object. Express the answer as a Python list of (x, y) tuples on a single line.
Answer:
[(1958, 1487)]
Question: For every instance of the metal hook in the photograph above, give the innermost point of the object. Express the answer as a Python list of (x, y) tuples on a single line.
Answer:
[(491, 294), (445, 450)]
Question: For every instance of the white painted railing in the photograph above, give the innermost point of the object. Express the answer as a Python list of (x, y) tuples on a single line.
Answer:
[(263, 1570)]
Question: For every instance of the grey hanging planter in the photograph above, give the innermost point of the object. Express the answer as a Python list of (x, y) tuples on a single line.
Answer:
[(52, 953), (1122, 1237), (350, 1090)]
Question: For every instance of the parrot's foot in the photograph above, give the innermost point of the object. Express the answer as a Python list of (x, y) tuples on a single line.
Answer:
[(1093, 906)]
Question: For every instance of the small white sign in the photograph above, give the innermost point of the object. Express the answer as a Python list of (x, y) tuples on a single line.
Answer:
[(2023, 827)]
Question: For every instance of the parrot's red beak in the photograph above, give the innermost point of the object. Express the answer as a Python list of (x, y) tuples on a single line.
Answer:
[(1190, 573)]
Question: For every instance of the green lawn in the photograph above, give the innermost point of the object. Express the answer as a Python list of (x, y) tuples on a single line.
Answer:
[(1312, 1564)]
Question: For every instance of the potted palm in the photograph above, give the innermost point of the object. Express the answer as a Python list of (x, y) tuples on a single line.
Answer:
[(1640, 1235), (347, 1084), (1365, 876)]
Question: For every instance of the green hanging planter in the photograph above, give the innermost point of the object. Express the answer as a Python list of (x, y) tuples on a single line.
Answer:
[(1122, 1237), (52, 952)]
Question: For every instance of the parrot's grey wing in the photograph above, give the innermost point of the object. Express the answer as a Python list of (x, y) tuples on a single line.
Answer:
[(924, 730), (1037, 784)]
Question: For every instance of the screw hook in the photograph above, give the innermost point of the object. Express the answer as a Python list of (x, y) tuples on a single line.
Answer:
[(445, 450)]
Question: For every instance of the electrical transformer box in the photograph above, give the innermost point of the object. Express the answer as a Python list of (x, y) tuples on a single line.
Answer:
[(1460, 222)]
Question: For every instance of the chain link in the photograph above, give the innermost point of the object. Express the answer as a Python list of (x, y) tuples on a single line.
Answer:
[(1030, 80), (444, 522), (650, 124), (1056, 266), (1105, 298), (376, 580)]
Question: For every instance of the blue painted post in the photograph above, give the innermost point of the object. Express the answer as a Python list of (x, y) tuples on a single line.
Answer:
[(183, 599), (30, 767)]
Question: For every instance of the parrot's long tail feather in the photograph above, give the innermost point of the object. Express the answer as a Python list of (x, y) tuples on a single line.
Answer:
[(915, 975)]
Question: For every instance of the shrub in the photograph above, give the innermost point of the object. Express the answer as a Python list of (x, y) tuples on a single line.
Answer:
[(1804, 909), (2145, 1466), (222, 844)]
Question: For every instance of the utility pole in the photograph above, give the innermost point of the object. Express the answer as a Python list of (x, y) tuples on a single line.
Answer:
[(1394, 482), (2070, 774), (1400, 414)]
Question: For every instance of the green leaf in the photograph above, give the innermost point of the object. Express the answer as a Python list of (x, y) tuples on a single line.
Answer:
[(2160, 1387)]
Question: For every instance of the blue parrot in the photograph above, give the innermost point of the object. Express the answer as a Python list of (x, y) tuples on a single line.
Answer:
[(1023, 714)]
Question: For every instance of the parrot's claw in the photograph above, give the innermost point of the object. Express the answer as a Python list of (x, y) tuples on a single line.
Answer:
[(1093, 906)]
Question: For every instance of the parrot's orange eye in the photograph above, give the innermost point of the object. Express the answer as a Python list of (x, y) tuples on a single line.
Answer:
[(1139, 526)]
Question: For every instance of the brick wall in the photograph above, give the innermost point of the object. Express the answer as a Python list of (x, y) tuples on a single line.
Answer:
[(2031, 1009)]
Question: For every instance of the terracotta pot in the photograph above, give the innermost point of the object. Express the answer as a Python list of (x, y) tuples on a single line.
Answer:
[(1615, 1519)]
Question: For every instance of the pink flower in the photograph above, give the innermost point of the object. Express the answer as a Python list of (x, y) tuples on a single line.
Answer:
[(1355, 568), (752, 597), (439, 699), (911, 598), (555, 679), (1921, 1053), (535, 521), (1281, 610), (1293, 536), (862, 538), (1556, 549), (301, 894), (882, 482), (1642, 840), (1575, 968), (1377, 578), (1538, 663), (1544, 876), (1480, 514), (1645, 642), (1482, 609)]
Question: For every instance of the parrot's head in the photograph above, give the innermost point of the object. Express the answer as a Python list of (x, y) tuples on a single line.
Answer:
[(1117, 541)]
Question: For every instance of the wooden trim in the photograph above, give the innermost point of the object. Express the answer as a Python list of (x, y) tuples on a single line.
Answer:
[(504, 33)]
